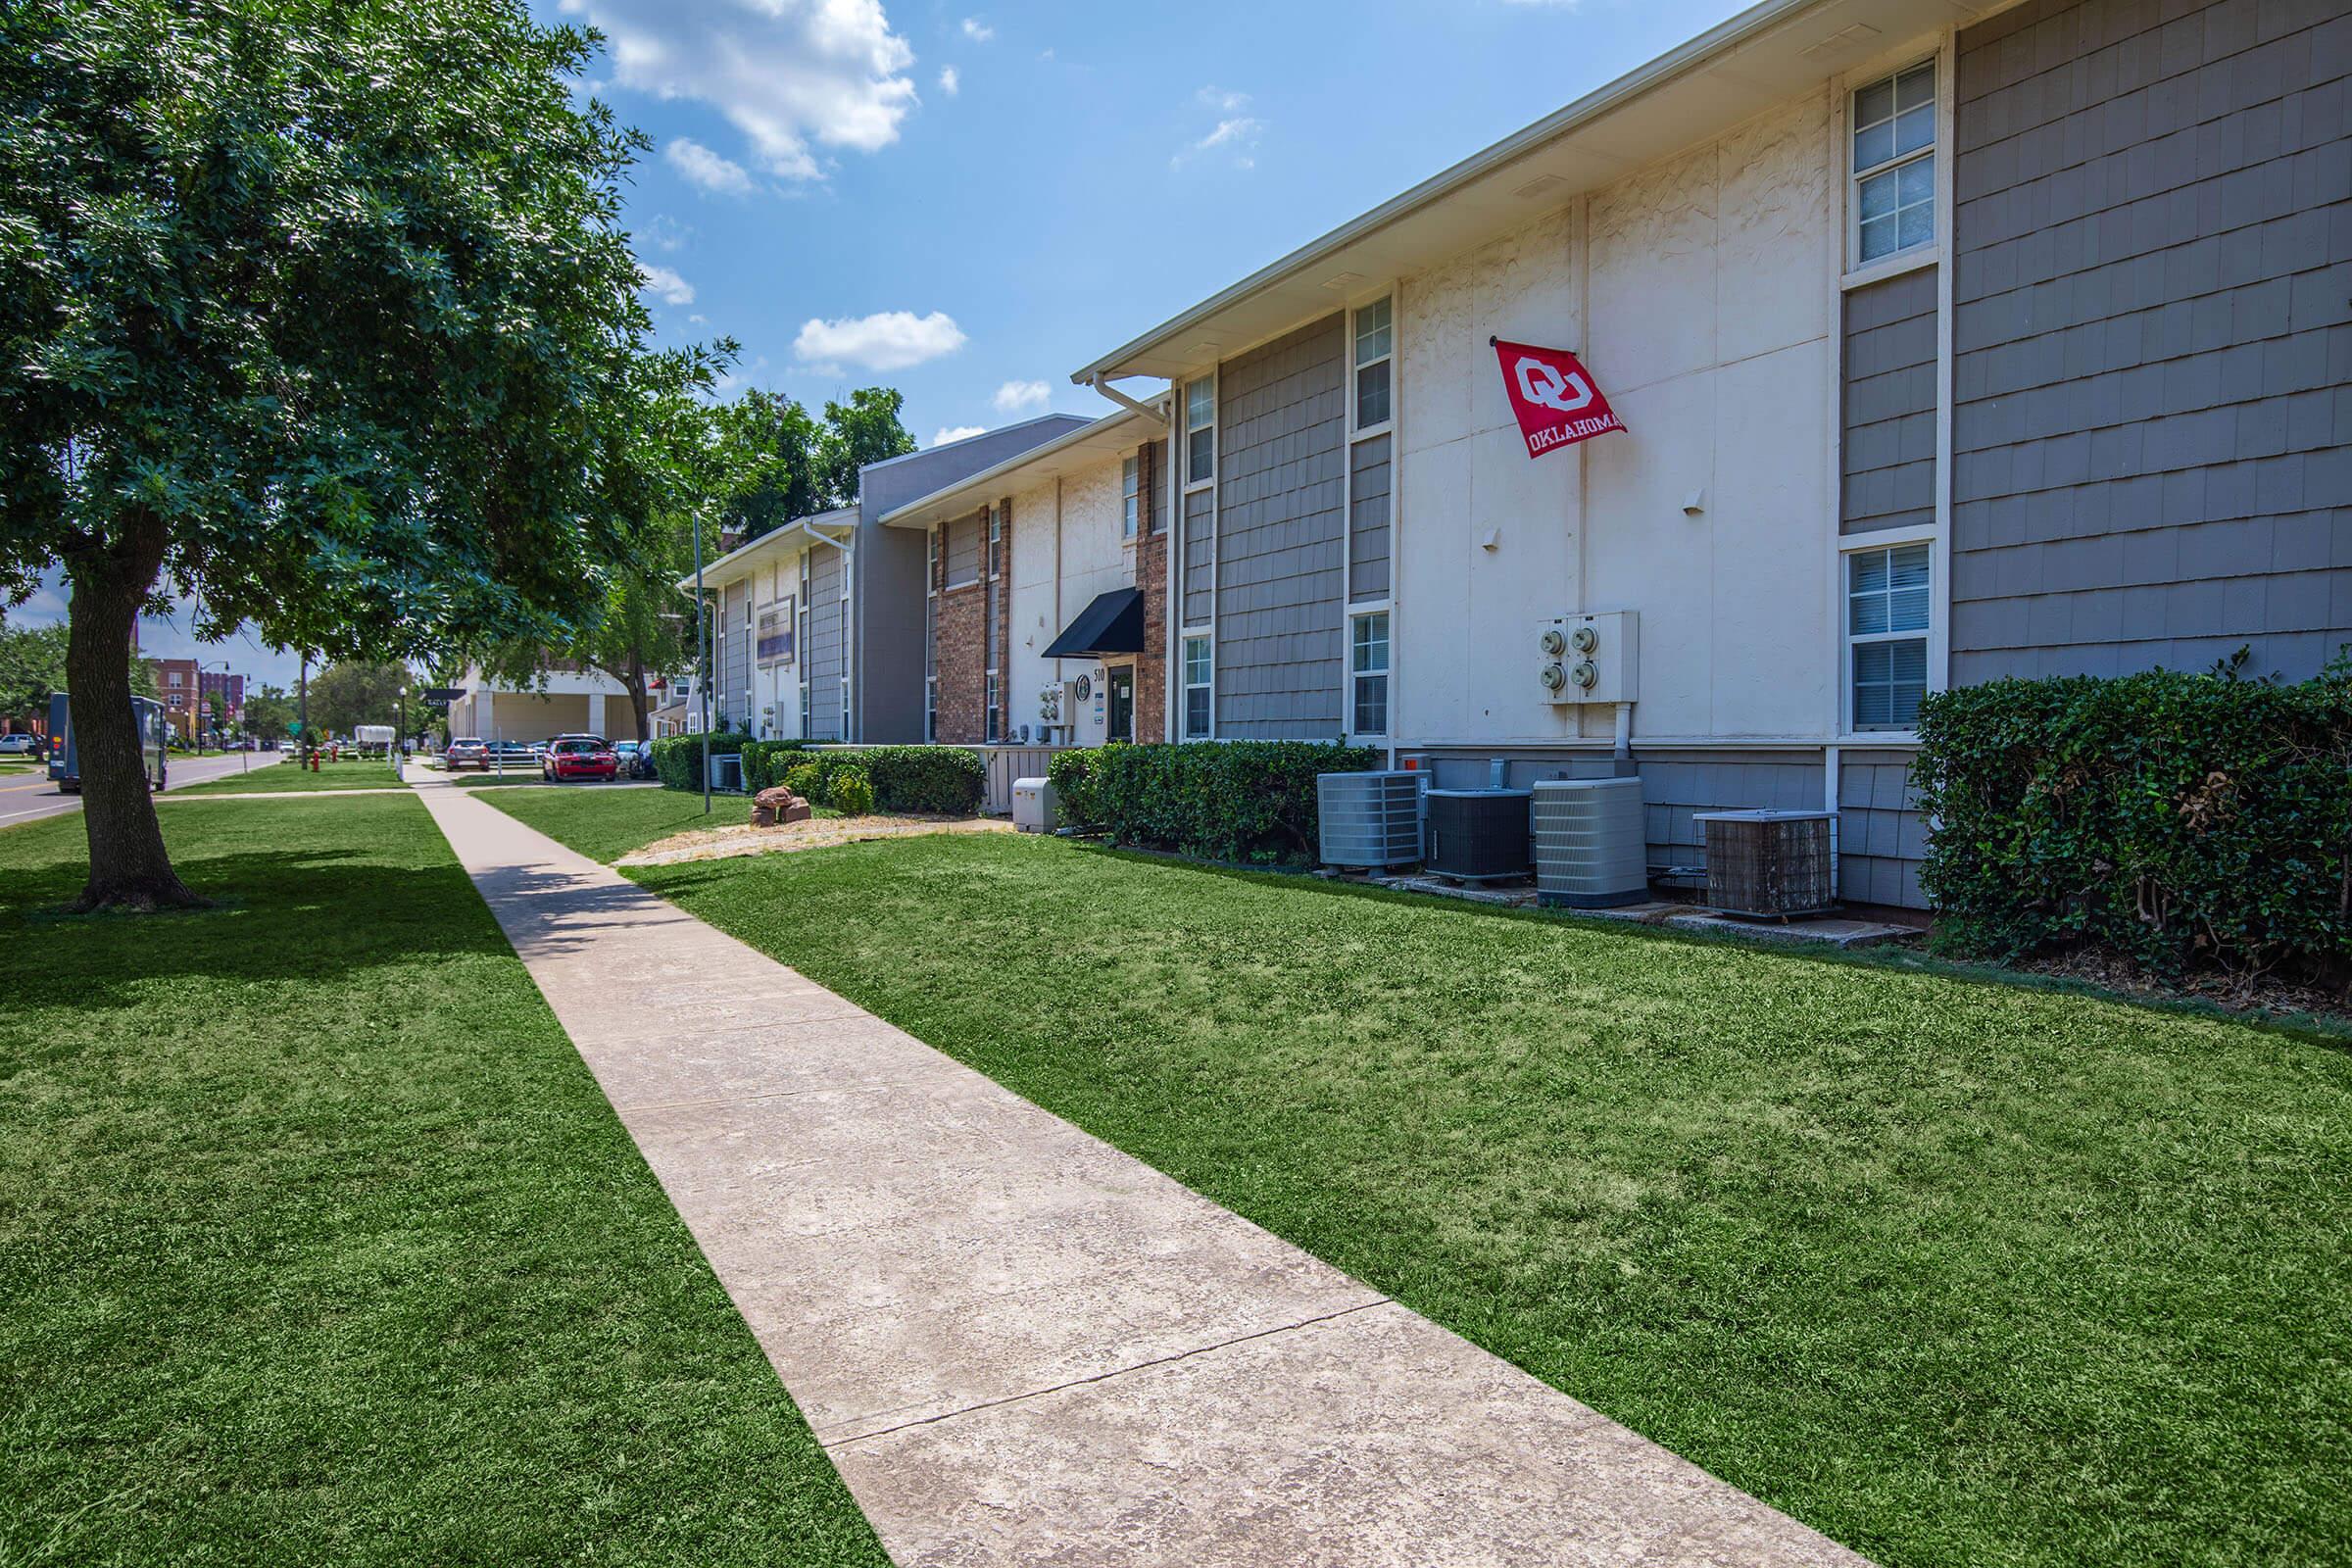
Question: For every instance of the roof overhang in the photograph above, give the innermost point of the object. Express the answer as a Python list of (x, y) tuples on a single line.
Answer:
[(825, 528), (1111, 436), (1111, 623), (1764, 56)]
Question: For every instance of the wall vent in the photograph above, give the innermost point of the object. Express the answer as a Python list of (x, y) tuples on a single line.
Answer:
[(1590, 853), (1370, 820), (1771, 865)]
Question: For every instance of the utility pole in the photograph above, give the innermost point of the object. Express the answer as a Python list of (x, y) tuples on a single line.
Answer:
[(702, 660), (305, 713)]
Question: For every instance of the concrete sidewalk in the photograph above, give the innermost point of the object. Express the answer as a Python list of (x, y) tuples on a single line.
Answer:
[(1022, 1346)]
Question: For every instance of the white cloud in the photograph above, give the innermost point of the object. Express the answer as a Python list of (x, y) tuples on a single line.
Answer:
[(957, 432), (949, 81), (664, 233), (1236, 135), (788, 74), (665, 285), (1222, 101), (977, 30), (706, 169), (889, 340), (698, 319), (1015, 397)]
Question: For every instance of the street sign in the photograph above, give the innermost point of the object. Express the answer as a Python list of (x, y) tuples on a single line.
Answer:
[(443, 694)]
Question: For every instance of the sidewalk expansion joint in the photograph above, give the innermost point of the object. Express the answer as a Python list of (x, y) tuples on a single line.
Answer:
[(830, 1444)]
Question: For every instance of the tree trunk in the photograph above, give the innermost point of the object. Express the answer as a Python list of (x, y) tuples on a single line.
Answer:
[(632, 678), (128, 866)]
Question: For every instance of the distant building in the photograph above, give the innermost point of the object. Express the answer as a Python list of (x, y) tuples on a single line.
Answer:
[(177, 686), (565, 700), (229, 689)]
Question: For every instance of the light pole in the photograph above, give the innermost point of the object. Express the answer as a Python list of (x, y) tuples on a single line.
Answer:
[(400, 731)]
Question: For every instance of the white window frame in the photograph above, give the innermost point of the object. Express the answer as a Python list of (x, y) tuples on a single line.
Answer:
[(1356, 366), (1131, 496), (801, 640), (1919, 251), (992, 724), (1386, 673), (1185, 457), (1187, 685), (1934, 636)]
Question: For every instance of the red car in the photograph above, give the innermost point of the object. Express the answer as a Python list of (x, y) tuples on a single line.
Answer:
[(571, 757)]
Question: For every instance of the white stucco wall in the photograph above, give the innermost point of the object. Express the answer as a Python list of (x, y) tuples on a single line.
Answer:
[(1093, 560), (1709, 329)]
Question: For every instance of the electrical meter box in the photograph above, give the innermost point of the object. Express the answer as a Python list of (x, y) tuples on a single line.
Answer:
[(1591, 658)]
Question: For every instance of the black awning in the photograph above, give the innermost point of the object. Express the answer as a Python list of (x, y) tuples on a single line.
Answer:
[(1112, 625)]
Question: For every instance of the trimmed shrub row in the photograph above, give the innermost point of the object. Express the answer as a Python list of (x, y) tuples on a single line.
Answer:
[(2185, 819), (1244, 802), (678, 759), (943, 779)]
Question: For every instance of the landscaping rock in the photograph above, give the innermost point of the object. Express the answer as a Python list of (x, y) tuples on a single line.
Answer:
[(778, 804)]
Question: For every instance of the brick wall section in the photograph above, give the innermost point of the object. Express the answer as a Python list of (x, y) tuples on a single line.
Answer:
[(961, 651), (1152, 576)]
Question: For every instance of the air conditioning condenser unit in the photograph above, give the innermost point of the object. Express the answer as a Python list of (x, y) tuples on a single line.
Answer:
[(1590, 850), (1370, 820)]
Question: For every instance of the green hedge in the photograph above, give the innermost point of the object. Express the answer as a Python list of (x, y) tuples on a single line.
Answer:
[(945, 779), (1248, 802), (678, 759), (2185, 819)]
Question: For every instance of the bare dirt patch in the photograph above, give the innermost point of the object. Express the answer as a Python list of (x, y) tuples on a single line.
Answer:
[(727, 842)]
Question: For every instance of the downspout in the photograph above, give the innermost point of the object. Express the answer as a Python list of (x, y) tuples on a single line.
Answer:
[(1101, 384), (1624, 752), (1068, 720), (1831, 766)]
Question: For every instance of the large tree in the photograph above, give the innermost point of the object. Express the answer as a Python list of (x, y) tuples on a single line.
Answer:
[(774, 441), (269, 714), (316, 309), (674, 461), (866, 429), (352, 692)]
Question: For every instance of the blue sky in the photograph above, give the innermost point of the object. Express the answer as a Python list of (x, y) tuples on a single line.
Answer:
[(968, 202)]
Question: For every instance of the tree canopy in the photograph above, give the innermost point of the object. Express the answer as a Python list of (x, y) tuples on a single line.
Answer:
[(355, 692), (320, 311), (786, 463)]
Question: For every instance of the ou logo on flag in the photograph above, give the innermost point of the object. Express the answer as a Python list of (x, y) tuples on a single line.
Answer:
[(1555, 401)]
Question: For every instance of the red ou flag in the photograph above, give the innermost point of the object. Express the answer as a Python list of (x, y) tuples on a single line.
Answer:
[(1557, 401)]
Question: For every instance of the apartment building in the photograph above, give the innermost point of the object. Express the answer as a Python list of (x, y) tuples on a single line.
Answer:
[(178, 686), (1046, 590), (1949, 343), (818, 627)]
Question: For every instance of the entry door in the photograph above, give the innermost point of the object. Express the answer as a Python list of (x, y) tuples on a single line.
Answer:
[(1122, 702)]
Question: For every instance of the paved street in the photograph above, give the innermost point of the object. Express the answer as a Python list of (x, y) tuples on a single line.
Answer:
[(27, 797)]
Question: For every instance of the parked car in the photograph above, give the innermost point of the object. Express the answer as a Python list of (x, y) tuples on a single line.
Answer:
[(512, 754), (573, 757), (19, 745), (636, 758), (468, 751)]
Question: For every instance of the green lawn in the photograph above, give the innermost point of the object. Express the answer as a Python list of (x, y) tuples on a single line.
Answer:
[(317, 1243), (1958, 1272), (287, 775), (607, 824)]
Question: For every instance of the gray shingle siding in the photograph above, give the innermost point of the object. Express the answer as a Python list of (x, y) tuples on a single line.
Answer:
[(1281, 530), (1888, 397), (735, 656), (1881, 839), (825, 652), (2152, 427), (1368, 500), (1199, 557)]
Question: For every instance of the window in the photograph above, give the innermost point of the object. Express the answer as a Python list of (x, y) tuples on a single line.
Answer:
[(1368, 639), (930, 708), (1894, 164), (176, 677), (1887, 611), (1375, 341), (931, 561), (1197, 671), (1200, 431), (801, 637), (996, 710), (1131, 495)]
